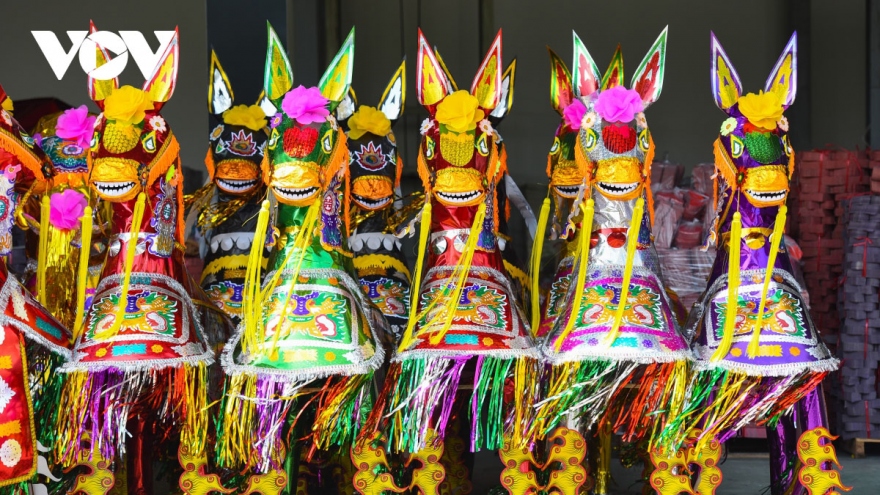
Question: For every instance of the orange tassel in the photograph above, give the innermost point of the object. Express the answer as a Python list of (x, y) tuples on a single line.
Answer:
[(167, 156), (211, 166), (23, 153), (399, 171), (649, 160)]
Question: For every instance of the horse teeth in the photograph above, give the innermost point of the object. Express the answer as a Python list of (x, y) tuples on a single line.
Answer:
[(296, 194), (371, 203), (458, 197), (617, 188), (114, 188), (567, 191), (236, 185)]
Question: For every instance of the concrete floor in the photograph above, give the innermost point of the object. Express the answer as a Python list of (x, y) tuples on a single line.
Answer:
[(744, 474)]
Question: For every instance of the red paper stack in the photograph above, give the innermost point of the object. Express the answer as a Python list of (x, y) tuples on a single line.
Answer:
[(823, 179), (875, 172)]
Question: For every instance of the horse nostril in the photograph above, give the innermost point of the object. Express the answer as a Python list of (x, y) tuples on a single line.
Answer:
[(618, 138), (300, 141)]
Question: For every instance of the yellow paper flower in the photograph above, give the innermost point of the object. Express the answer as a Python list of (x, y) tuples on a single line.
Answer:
[(127, 105), (368, 119), (7, 104), (253, 117), (460, 112), (763, 110)]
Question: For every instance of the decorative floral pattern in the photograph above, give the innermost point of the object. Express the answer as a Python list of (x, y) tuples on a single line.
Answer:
[(426, 126), (728, 126), (157, 123)]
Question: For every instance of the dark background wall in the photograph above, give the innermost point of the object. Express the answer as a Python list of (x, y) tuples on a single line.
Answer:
[(832, 105)]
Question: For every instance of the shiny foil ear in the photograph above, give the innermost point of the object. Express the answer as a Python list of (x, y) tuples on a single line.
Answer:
[(561, 93), (100, 89), (347, 106), (431, 82), (648, 79), (160, 86), (451, 84), (614, 75), (726, 85), (394, 97), (487, 83), (220, 95), (585, 73), (336, 80), (505, 102), (277, 74), (783, 78)]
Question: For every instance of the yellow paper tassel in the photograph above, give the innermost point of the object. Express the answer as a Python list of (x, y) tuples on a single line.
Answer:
[(632, 242), (252, 304), (537, 248), (43, 249), (424, 232), (586, 232), (732, 289), (461, 272), (195, 411), (131, 246), (239, 413), (778, 229), (83, 271)]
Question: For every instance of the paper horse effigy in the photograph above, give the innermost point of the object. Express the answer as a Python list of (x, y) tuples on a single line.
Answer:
[(309, 324), (229, 205), (141, 357), (759, 357), (464, 310), (609, 329), (507, 192)]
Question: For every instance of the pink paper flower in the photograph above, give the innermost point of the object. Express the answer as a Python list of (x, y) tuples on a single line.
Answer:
[(66, 208), (574, 114), (305, 105), (619, 104), (76, 124), (11, 171)]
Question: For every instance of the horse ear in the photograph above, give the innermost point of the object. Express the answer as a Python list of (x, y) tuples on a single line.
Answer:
[(726, 85), (277, 75), (100, 89), (347, 106), (586, 73), (394, 97), (561, 94), (783, 78), (431, 82), (451, 86), (648, 79), (505, 103), (487, 83), (220, 96), (614, 75), (160, 85), (336, 80)]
